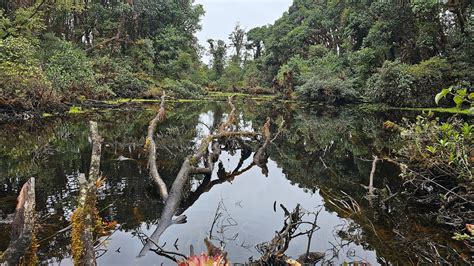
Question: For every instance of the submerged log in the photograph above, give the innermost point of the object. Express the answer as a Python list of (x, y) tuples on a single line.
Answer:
[(84, 218), (22, 226)]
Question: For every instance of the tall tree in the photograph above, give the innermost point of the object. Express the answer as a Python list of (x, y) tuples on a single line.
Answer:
[(237, 39), (218, 51)]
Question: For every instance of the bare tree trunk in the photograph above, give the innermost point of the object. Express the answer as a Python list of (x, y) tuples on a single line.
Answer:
[(22, 225), (371, 178), (150, 145), (84, 217)]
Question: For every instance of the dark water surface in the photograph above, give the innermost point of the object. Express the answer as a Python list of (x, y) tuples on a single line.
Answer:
[(322, 160)]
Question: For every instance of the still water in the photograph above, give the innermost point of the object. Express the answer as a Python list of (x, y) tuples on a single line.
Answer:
[(321, 161)]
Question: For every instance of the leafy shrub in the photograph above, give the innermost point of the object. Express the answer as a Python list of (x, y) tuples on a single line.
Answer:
[(117, 75), (22, 82), (404, 85), (444, 146), (182, 88), (326, 80), (128, 86), (460, 95), (253, 76), (429, 76), (68, 69), (231, 79), (363, 63), (143, 55), (331, 90), (392, 84), (298, 67)]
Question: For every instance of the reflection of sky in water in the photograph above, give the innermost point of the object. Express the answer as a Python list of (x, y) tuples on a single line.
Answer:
[(222, 15), (249, 200)]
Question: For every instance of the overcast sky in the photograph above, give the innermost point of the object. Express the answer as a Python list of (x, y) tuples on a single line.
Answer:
[(222, 15)]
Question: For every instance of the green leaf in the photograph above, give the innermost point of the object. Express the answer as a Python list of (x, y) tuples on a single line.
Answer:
[(461, 92), (461, 237), (471, 96), (471, 111), (441, 95), (431, 149), (458, 100)]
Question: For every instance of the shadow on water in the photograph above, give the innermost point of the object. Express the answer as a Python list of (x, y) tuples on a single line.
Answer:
[(322, 158)]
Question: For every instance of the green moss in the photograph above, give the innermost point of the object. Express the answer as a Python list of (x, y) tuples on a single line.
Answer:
[(76, 110), (263, 97), (226, 94), (187, 100), (452, 110), (130, 100)]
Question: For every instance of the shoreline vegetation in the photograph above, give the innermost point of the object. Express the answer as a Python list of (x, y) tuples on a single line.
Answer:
[(330, 52), (67, 58)]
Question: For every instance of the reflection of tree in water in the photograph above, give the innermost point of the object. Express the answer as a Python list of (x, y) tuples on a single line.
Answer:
[(333, 153), (329, 150), (128, 196)]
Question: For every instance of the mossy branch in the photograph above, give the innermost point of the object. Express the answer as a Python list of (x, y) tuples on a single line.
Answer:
[(85, 218)]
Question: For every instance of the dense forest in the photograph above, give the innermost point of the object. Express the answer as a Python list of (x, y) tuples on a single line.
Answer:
[(396, 52), (364, 107)]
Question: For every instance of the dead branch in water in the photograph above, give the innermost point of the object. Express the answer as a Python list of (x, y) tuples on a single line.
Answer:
[(260, 158), (22, 226), (273, 252), (370, 195), (188, 168), (150, 145), (84, 218)]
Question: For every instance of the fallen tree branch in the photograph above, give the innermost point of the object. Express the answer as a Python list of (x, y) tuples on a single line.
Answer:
[(187, 168), (231, 118), (22, 226), (150, 145), (273, 252)]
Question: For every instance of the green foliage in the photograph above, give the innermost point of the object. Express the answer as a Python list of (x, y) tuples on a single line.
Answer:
[(143, 56), (102, 49), (332, 90), (22, 82), (118, 76), (430, 143), (181, 88), (396, 52), (21, 23), (325, 80), (297, 67), (460, 96), (408, 85), (232, 78), (363, 63), (218, 51), (68, 69)]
